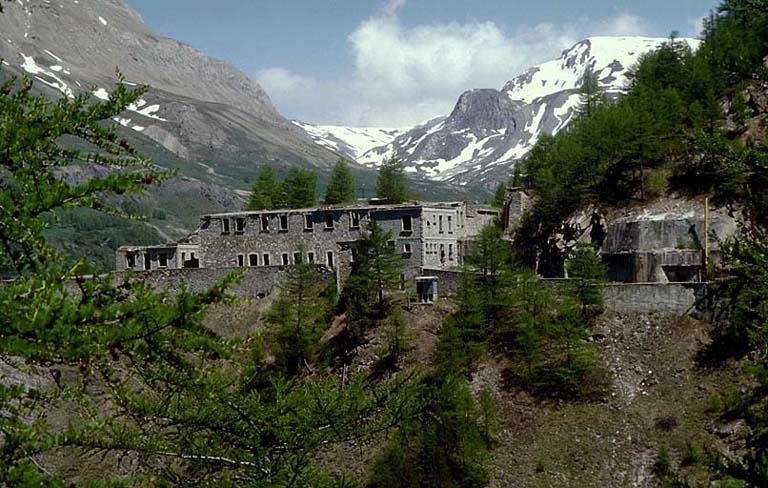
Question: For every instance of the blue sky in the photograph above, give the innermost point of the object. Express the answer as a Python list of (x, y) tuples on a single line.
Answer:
[(398, 62)]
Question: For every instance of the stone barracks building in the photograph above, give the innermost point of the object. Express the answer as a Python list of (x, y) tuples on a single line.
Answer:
[(426, 236)]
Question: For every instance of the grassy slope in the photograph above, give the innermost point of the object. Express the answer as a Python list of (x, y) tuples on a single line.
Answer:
[(660, 397)]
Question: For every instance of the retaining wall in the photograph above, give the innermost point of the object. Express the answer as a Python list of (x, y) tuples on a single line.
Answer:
[(257, 282), (673, 298)]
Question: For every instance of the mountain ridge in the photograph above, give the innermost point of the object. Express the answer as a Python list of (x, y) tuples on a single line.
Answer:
[(489, 130)]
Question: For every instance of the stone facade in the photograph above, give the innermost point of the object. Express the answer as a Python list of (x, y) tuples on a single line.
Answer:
[(516, 202), (425, 235), (146, 258)]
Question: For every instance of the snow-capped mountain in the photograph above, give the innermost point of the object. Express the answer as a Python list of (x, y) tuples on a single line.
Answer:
[(490, 130), (197, 107), (350, 142)]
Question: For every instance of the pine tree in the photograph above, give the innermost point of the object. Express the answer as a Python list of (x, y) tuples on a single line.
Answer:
[(591, 95), (298, 189), (499, 195), (297, 318), (446, 446), (491, 263), (265, 192), (587, 270), (341, 186), (375, 271), (392, 185)]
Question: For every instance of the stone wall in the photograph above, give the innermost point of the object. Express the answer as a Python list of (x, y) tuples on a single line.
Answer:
[(327, 235), (448, 281), (257, 282), (672, 298)]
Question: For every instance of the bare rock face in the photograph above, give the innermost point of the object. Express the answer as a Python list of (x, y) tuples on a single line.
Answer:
[(197, 107)]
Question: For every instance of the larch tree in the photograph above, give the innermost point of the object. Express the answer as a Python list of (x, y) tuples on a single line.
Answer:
[(298, 189), (341, 186), (265, 191), (591, 95), (375, 271), (297, 317), (392, 185)]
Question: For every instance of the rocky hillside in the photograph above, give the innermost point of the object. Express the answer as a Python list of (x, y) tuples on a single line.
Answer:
[(198, 108), (489, 130)]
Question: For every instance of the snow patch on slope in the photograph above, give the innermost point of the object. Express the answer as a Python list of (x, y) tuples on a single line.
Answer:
[(351, 142), (136, 107), (46, 76), (610, 57)]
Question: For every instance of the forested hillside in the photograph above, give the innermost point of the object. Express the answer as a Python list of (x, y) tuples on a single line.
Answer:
[(691, 123)]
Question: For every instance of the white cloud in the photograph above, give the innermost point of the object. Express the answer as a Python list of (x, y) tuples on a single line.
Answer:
[(624, 24), (404, 75), (696, 25), (391, 7), (285, 82)]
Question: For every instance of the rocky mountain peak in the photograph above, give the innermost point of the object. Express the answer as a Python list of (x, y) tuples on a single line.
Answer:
[(489, 130), (484, 111)]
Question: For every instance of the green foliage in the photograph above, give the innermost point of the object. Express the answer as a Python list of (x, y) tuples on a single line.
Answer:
[(84, 233), (512, 311), (463, 338), (443, 447), (375, 272), (341, 186), (177, 398), (265, 193), (662, 467), (298, 189), (397, 341), (481, 300), (735, 42), (587, 272), (297, 319), (590, 94), (669, 121), (498, 196), (490, 265), (392, 185), (742, 328)]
